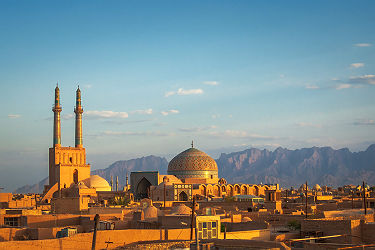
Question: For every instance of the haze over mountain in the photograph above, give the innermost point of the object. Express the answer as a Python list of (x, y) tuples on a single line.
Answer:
[(321, 165)]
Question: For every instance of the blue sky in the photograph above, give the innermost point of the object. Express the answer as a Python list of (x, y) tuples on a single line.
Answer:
[(155, 75)]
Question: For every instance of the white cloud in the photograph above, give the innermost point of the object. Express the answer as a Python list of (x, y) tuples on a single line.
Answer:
[(13, 116), (133, 133), (362, 44), (169, 93), (197, 129), (88, 86), (215, 116), (241, 134), (106, 114), (312, 87), (142, 112), (365, 79), (307, 124), (364, 122), (212, 83), (67, 116), (356, 65), (182, 91), (168, 112), (343, 86)]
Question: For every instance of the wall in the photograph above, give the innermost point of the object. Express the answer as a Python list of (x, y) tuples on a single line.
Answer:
[(7, 234), (368, 232), (5, 197), (49, 220), (334, 227), (84, 240), (264, 234), (243, 226)]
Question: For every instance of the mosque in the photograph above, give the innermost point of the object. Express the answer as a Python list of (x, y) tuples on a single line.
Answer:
[(190, 173), (69, 174), (194, 173)]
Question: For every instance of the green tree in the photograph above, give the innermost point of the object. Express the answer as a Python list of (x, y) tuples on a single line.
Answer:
[(294, 225)]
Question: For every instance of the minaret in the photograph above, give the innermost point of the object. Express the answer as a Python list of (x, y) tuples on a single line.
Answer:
[(78, 110), (56, 119)]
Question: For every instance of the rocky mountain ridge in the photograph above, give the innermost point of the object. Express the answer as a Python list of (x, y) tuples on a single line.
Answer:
[(316, 165)]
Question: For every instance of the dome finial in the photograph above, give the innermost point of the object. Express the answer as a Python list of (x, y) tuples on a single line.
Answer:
[(192, 144)]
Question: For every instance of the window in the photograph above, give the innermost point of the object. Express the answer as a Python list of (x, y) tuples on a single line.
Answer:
[(11, 221), (207, 230)]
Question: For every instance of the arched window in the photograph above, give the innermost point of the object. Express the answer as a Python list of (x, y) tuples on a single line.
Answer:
[(75, 176), (182, 196)]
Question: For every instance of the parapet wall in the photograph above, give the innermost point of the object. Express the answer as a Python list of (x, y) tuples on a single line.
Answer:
[(84, 240)]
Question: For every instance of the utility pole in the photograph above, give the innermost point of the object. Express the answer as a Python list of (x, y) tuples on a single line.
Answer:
[(364, 197), (286, 194), (96, 219), (116, 183), (192, 219), (352, 199), (196, 236), (111, 183), (164, 194), (306, 201)]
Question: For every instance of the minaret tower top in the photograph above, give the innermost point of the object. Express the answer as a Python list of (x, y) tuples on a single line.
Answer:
[(78, 110), (56, 119)]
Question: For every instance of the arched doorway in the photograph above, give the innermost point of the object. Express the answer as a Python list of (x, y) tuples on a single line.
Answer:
[(230, 191), (243, 189), (75, 176), (203, 190), (256, 191), (217, 191), (182, 196), (142, 188), (237, 189)]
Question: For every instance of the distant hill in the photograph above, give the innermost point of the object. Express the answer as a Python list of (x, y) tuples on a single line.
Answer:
[(317, 165), (36, 188), (119, 168)]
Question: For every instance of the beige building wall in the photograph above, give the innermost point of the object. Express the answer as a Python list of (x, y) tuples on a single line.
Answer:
[(67, 165)]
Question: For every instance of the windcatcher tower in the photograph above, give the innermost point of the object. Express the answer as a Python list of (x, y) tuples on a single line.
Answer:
[(67, 165)]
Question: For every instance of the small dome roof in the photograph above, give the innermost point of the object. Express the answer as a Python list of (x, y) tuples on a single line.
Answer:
[(97, 182), (303, 186), (150, 212), (246, 219), (181, 209), (317, 187)]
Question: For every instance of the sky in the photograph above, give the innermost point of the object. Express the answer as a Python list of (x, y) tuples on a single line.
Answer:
[(156, 75)]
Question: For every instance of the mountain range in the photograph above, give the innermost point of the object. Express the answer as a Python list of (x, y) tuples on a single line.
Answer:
[(316, 165)]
